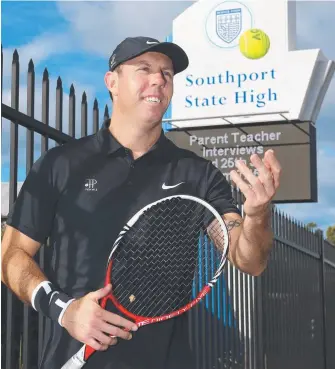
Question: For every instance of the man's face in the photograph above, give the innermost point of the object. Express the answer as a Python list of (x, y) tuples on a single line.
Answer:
[(144, 87)]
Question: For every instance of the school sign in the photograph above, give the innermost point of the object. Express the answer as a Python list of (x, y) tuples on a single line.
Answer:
[(222, 84), (226, 106)]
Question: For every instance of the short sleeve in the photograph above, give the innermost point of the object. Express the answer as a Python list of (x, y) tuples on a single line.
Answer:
[(33, 211), (219, 193)]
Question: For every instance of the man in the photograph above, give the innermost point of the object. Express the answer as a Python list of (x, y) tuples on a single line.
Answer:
[(80, 194)]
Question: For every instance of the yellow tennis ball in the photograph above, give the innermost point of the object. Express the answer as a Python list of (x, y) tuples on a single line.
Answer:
[(254, 43)]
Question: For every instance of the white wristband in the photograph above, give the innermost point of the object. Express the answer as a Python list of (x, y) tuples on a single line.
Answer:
[(49, 301)]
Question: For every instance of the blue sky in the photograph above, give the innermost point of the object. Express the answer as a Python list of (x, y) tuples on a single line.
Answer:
[(74, 40)]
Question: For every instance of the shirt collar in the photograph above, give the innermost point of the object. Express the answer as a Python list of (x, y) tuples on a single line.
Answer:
[(108, 143)]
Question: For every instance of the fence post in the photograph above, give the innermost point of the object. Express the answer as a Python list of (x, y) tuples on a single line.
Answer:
[(323, 297), (260, 352), (14, 307), (95, 116), (259, 323)]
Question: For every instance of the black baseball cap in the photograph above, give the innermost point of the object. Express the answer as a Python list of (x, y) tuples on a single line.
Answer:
[(135, 46)]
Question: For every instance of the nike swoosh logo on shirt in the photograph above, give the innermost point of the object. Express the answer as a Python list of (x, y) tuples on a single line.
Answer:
[(152, 42), (165, 187)]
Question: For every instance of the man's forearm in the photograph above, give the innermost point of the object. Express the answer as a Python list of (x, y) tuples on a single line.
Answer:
[(21, 273), (254, 244)]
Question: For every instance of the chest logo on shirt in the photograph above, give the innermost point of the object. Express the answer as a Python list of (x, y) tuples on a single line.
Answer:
[(165, 187), (90, 185)]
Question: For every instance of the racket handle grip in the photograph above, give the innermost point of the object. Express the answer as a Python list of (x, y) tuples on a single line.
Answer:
[(76, 361)]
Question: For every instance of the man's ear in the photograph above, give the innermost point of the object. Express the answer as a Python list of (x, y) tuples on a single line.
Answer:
[(111, 82)]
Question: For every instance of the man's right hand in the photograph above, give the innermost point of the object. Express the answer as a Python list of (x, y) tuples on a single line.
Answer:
[(87, 322)]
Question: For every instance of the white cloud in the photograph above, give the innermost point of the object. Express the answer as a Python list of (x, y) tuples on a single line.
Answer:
[(322, 212), (315, 26), (43, 47), (326, 170), (99, 27), (79, 89), (315, 30), (5, 196), (328, 103)]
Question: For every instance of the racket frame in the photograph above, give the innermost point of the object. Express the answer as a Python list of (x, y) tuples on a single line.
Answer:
[(78, 360)]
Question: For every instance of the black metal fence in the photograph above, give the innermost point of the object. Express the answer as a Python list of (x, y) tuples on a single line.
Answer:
[(298, 299), (282, 319)]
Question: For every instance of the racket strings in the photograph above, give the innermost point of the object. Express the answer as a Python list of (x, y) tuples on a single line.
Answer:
[(162, 257)]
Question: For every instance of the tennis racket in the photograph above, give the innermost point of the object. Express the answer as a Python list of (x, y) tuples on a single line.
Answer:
[(165, 260)]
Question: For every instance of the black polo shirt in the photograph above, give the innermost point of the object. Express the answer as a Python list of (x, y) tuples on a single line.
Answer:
[(80, 195)]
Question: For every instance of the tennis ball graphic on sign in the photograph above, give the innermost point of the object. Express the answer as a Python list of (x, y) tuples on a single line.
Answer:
[(254, 43)]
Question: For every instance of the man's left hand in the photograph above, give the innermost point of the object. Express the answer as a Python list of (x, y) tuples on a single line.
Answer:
[(258, 190)]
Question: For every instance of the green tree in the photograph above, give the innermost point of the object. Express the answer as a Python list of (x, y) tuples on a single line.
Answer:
[(331, 234), (314, 227)]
